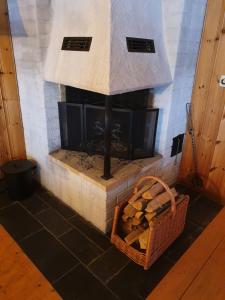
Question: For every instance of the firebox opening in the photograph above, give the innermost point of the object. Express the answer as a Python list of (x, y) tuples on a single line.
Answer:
[(133, 125)]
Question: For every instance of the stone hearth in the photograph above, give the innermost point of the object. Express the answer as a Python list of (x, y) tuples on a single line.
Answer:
[(93, 197)]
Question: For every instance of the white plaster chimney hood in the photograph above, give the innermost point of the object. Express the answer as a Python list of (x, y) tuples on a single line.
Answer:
[(114, 61)]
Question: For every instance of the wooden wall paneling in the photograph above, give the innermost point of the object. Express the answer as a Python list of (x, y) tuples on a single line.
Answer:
[(207, 112), (214, 107), (206, 61), (11, 134), (7, 61), (216, 178), (9, 86), (4, 26), (5, 152)]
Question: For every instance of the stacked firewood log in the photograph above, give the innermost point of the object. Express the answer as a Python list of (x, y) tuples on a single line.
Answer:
[(150, 201)]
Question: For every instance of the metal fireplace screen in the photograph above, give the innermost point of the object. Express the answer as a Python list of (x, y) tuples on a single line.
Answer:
[(83, 124)]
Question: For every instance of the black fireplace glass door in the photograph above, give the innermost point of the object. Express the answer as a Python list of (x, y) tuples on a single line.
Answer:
[(133, 126), (121, 143), (71, 126), (121, 131), (144, 133), (94, 128)]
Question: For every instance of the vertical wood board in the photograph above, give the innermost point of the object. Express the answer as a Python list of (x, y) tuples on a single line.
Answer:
[(12, 145), (208, 100)]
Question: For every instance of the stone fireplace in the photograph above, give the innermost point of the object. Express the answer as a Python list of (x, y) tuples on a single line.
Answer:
[(82, 133), (109, 60), (110, 70)]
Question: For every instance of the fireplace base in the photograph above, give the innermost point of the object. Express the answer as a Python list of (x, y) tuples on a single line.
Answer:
[(88, 193)]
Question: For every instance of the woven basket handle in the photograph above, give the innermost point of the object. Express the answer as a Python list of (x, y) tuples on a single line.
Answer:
[(166, 187)]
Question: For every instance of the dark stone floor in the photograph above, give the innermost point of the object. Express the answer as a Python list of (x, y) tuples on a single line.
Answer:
[(78, 260)]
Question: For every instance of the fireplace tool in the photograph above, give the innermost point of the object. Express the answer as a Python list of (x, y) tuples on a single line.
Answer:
[(196, 179)]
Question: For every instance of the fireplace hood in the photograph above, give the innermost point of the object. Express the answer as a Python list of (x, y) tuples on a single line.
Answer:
[(107, 46)]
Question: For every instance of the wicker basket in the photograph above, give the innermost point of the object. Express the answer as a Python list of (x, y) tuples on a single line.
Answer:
[(164, 228)]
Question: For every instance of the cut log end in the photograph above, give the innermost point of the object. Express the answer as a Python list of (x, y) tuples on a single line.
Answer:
[(133, 236), (129, 211), (153, 191), (143, 239)]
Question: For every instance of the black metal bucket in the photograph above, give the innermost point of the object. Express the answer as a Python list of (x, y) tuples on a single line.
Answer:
[(19, 178)]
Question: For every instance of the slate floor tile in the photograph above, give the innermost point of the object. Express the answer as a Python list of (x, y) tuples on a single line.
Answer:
[(4, 199), (2, 186), (18, 222), (54, 222), (184, 190), (96, 236), (81, 284), (184, 241), (203, 211), (84, 249), (134, 283), (71, 278), (56, 203), (34, 204), (110, 263), (50, 257)]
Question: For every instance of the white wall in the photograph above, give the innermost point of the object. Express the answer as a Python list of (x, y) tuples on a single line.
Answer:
[(183, 26), (30, 24)]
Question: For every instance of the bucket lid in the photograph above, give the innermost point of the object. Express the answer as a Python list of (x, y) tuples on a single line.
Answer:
[(17, 166)]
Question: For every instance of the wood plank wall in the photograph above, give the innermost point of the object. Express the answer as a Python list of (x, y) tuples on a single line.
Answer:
[(12, 144), (208, 102)]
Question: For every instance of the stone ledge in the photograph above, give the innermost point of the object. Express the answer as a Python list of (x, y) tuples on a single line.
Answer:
[(91, 167)]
